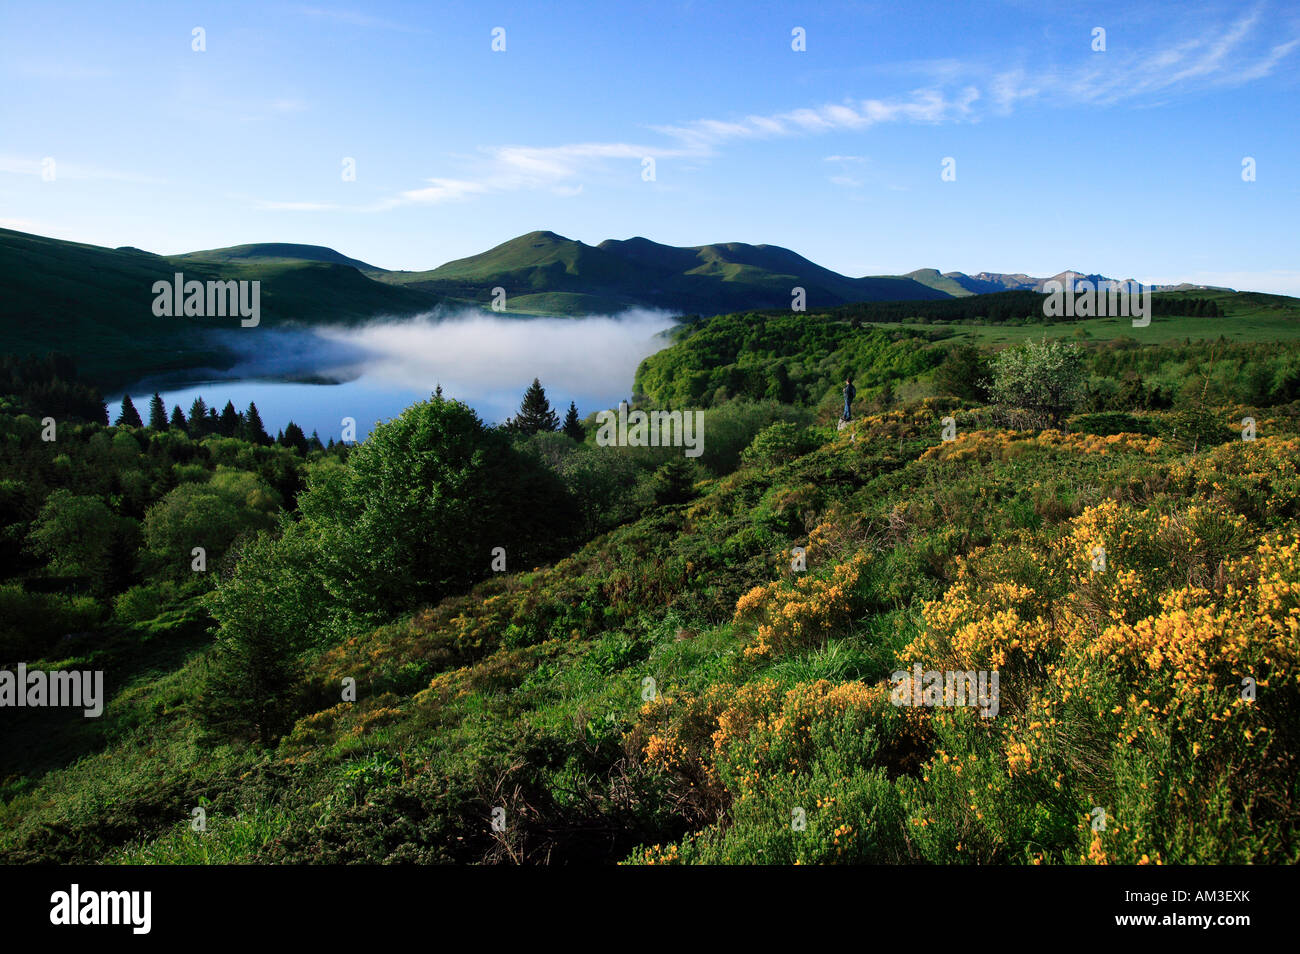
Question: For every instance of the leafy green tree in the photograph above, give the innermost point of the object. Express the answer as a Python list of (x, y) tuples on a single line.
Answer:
[(964, 374), (128, 415), (420, 505), (775, 444), (79, 535), (535, 413), (1038, 383), (573, 426), (157, 413), (209, 515), (32, 623), (267, 614), (780, 387)]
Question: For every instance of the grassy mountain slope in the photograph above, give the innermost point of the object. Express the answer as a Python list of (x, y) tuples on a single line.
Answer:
[(677, 689), (97, 304), (950, 284), (637, 272), (274, 253)]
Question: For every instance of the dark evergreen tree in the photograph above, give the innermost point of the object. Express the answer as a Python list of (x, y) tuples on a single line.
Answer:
[(228, 425), (294, 437), (157, 413), (198, 417), (535, 412), (254, 430), (178, 419), (572, 426), (674, 482), (314, 442), (780, 387), (249, 680), (128, 415)]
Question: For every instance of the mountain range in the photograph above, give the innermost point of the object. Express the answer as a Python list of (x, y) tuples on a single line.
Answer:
[(96, 302), (545, 273), (959, 284)]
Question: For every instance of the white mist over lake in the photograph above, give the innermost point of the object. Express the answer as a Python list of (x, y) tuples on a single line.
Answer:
[(316, 377)]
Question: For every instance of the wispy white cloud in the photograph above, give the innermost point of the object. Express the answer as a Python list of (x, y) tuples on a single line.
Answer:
[(513, 168), (557, 168), (928, 105), (442, 190), (1224, 54)]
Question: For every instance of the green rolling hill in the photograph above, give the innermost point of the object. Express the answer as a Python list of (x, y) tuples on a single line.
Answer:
[(708, 279), (263, 253), (96, 304)]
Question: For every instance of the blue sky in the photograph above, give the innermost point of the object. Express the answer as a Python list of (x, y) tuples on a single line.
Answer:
[(1127, 161)]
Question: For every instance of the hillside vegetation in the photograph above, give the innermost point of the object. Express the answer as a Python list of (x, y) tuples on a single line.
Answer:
[(657, 674), (97, 304)]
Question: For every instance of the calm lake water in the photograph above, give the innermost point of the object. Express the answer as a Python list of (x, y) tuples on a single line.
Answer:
[(317, 378)]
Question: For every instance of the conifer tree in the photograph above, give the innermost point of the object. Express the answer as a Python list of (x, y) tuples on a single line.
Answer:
[(178, 422), (157, 413), (198, 417), (128, 415), (294, 437), (535, 412), (254, 430), (572, 426), (228, 423), (674, 482)]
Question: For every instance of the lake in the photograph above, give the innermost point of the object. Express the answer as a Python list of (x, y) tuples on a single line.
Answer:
[(318, 377)]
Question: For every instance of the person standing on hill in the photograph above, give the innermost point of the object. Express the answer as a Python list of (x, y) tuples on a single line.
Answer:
[(850, 392)]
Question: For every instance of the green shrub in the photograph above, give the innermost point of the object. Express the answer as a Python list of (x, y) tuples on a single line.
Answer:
[(32, 623)]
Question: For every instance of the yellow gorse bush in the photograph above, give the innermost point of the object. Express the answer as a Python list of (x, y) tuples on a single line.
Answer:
[(804, 612), (985, 446)]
